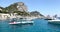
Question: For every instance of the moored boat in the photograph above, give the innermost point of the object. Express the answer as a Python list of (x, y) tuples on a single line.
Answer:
[(54, 21), (23, 22)]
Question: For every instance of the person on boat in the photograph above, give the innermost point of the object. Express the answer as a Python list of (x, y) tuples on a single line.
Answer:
[(13, 20)]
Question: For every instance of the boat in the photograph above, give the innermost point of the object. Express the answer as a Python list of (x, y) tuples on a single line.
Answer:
[(23, 22), (54, 21), (47, 19)]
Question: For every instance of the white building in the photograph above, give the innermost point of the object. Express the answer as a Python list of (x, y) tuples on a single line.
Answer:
[(7, 16), (4, 16)]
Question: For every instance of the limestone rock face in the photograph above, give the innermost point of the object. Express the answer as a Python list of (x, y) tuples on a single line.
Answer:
[(0, 9), (35, 13), (21, 6)]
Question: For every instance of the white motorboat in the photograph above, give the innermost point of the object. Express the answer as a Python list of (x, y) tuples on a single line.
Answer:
[(23, 22), (55, 21)]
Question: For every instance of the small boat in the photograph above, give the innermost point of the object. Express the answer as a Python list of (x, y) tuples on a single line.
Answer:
[(47, 19)]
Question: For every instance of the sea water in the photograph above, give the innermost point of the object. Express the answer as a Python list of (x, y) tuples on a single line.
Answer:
[(39, 25)]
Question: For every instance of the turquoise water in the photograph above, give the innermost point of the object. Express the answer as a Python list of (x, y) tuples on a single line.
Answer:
[(38, 26)]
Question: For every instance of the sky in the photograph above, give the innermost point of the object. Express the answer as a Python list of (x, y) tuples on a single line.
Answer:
[(45, 7)]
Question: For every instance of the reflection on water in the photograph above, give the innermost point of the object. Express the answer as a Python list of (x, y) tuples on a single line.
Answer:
[(54, 25), (20, 25)]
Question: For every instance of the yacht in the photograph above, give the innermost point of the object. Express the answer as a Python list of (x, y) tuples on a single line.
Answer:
[(55, 21), (21, 21)]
